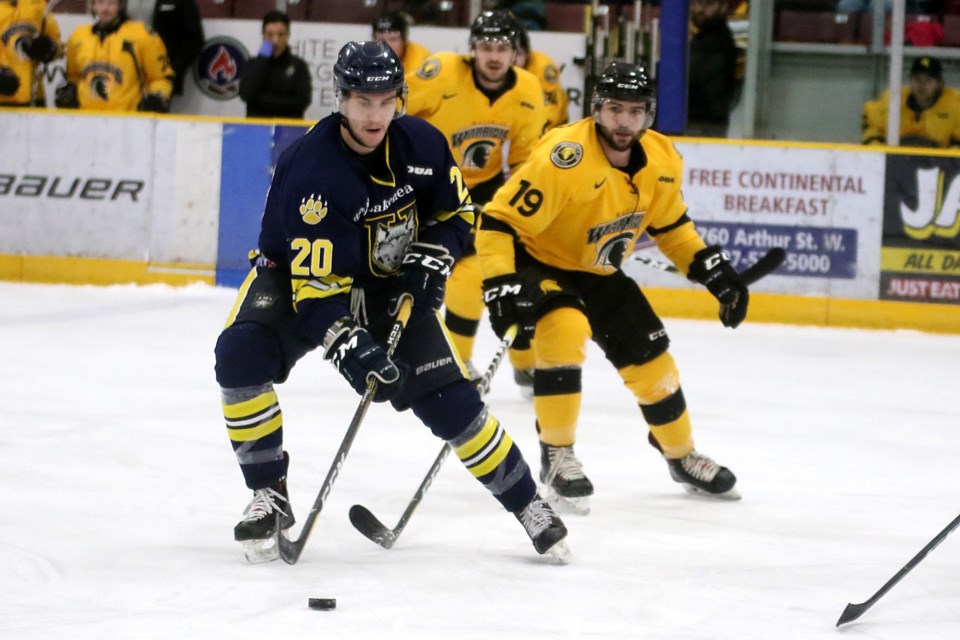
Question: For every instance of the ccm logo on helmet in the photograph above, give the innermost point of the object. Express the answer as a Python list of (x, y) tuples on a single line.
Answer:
[(377, 78)]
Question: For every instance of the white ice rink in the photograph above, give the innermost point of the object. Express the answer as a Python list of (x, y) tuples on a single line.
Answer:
[(120, 492)]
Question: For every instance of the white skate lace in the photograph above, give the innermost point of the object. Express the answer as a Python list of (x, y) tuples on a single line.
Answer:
[(564, 463), (263, 504), (536, 517), (700, 466)]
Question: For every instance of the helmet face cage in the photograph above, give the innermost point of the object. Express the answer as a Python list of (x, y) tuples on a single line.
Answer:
[(495, 26), (369, 67), (627, 82)]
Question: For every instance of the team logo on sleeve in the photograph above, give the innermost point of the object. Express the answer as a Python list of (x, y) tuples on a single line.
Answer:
[(429, 69), (551, 74), (313, 209), (566, 155)]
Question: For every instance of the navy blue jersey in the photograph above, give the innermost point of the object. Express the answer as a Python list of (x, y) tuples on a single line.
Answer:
[(339, 227)]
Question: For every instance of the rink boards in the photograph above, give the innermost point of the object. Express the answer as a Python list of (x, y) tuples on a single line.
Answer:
[(872, 235)]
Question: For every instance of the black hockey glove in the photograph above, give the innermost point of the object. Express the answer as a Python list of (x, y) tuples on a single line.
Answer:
[(66, 96), (711, 267), (154, 102), (423, 276), (509, 305), (41, 49), (359, 359), (9, 81)]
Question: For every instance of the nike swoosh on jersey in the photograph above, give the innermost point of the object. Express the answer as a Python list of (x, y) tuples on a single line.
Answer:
[(599, 184), (447, 96)]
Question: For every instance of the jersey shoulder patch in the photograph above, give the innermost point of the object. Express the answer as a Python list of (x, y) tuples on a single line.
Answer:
[(566, 154), (430, 68)]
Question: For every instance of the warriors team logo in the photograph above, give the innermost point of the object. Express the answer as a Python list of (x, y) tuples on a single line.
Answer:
[(476, 155), (219, 66), (313, 209), (566, 154), (429, 69), (614, 239)]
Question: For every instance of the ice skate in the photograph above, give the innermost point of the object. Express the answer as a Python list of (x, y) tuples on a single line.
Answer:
[(546, 529), (702, 476), (524, 380), (567, 487), (265, 517)]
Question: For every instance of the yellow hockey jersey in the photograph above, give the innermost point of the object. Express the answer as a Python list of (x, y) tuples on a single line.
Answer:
[(23, 20), (443, 92), (115, 72), (413, 56), (554, 95), (940, 124), (571, 209)]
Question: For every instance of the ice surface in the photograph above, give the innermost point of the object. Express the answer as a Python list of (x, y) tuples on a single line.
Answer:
[(121, 491)]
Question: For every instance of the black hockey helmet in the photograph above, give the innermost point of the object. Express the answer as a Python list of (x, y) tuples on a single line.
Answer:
[(391, 21), (499, 25), (369, 67), (627, 81), (523, 38)]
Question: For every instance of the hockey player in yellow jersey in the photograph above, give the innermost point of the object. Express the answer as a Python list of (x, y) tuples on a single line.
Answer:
[(393, 28), (30, 37), (548, 73), (116, 64), (480, 102), (551, 244)]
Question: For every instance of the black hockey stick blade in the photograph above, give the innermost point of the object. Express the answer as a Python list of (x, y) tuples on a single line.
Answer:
[(766, 265), (854, 611), (367, 524)]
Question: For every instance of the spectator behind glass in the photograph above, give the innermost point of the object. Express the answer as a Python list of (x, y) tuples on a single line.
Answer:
[(713, 82), (138, 74), (929, 111), (393, 27), (30, 38), (276, 84)]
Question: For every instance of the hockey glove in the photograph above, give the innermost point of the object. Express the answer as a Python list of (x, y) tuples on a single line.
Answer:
[(66, 96), (154, 102), (360, 360), (509, 305), (9, 81), (41, 49), (711, 267), (423, 276)]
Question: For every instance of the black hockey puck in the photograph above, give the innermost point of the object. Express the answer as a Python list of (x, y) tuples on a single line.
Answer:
[(322, 604)]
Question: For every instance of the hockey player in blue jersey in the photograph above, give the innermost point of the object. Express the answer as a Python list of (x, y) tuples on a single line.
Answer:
[(367, 207)]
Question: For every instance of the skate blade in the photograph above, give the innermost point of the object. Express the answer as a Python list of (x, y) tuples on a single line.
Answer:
[(560, 553), (576, 506), (729, 495), (260, 551)]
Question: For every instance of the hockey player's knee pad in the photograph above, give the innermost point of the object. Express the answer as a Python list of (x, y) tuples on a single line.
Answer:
[(247, 355), (449, 410), (652, 381), (561, 338)]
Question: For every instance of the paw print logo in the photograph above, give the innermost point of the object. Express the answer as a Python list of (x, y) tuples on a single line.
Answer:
[(313, 209)]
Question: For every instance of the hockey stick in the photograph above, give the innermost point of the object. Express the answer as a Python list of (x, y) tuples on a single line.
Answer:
[(368, 524), (37, 73), (766, 265), (854, 611), (290, 550)]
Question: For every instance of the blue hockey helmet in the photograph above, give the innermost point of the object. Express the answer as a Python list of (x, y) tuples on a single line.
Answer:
[(499, 25), (626, 81), (369, 67)]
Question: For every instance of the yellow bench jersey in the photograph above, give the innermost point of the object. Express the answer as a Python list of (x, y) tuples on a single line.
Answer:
[(940, 123), (112, 74), (443, 92), (571, 209), (554, 95), (23, 19)]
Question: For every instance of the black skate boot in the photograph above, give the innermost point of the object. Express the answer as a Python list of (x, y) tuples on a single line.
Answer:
[(699, 474), (568, 489), (524, 380), (268, 514), (545, 528)]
